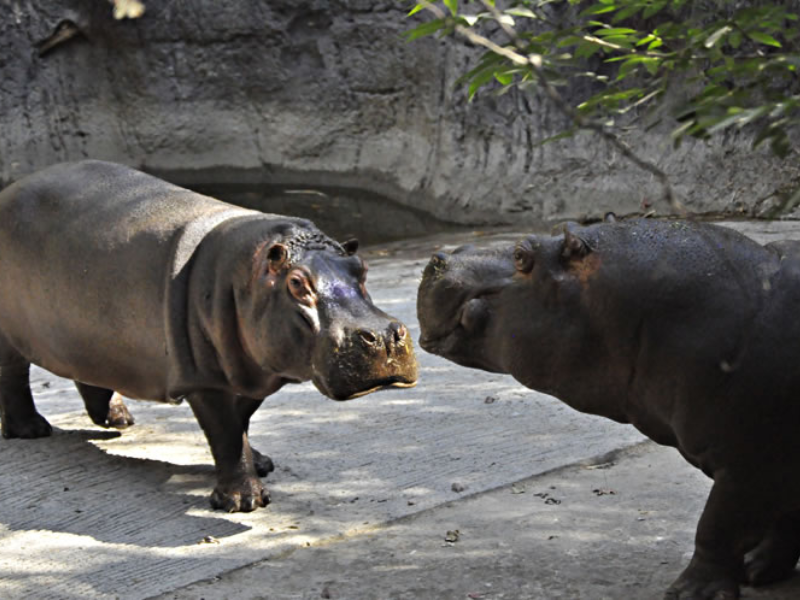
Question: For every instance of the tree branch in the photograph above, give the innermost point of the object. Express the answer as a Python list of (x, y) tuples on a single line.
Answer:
[(535, 63)]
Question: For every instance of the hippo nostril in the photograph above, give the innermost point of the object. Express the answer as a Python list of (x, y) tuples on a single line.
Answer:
[(399, 332), (367, 336)]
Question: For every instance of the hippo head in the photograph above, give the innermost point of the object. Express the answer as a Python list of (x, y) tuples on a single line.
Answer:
[(317, 321), (505, 310)]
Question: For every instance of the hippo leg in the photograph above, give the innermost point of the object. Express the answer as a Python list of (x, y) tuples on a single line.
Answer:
[(776, 556), (735, 518), (247, 406), (238, 487), (17, 411), (105, 408)]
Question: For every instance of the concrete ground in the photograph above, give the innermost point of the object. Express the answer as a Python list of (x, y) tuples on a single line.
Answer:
[(468, 486), (619, 527)]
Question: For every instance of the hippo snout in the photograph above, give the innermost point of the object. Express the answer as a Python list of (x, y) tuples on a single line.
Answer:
[(457, 297), (365, 359)]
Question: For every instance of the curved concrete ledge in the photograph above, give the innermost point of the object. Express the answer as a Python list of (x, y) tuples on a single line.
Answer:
[(320, 92)]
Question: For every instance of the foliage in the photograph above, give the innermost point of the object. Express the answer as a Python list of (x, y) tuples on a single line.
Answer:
[(726, 63)]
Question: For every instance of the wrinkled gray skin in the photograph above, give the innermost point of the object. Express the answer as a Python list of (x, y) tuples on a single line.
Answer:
[(688, 331), (121, 281)]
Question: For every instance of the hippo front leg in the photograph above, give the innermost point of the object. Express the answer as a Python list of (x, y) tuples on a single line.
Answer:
[(735, 518), (18, 414), (246, 407), (238, 486)]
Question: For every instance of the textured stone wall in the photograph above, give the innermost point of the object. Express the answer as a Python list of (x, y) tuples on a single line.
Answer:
[(323, 93)]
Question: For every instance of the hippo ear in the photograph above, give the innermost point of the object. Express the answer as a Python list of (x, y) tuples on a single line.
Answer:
[(573, 245), (350, 246), (610, 217), (277, 256)]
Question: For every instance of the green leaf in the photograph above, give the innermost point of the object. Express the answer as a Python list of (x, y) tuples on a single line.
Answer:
[(415, 10), (570, 40), (521, 12), (610, 31), (620, 40), (425, 29), (489, 60), (631, 62), (481, 78), (504, 78), (793, 201), (598, 9), (452, 5), (683, 129), (586, 49), (780, 145), (506, 20), (738, 117), (626, 13), (648, 38), (763, 38), (653, 9), (554, 138), (763, 135)]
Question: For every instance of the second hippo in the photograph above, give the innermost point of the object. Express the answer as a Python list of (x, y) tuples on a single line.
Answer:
[(688, 331)]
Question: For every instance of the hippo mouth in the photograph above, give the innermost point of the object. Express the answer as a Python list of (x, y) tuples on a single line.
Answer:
[(398, 383), (470, 319), (460, 340), (395, 381)]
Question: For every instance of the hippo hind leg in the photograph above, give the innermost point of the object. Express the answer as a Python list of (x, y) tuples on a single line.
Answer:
[(735, 519), (105, 408), (17, 411), (776, 556)]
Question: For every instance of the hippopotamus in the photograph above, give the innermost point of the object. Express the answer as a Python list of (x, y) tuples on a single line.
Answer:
[(125, 283), (688, 331)]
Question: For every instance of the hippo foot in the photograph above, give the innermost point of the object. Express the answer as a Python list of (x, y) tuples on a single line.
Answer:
[(32, 427), (774, 559), (702, 582), (263, 463), (247, 496), (118, 415)]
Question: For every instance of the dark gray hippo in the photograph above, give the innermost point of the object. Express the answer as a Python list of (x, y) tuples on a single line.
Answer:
[(688, 331), (120, 281)]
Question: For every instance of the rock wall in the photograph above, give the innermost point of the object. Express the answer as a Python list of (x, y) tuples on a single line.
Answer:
[(316, 93)]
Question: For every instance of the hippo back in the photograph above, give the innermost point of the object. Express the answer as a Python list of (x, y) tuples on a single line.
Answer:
[(87, 253)]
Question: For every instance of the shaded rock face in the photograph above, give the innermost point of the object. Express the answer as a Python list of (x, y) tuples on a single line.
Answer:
[(305, 93)]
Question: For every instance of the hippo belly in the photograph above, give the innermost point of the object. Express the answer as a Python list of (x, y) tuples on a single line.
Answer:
[(85, 273)]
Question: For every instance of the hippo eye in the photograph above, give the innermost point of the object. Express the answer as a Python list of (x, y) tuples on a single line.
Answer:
[(296, 283), (523, 259)]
